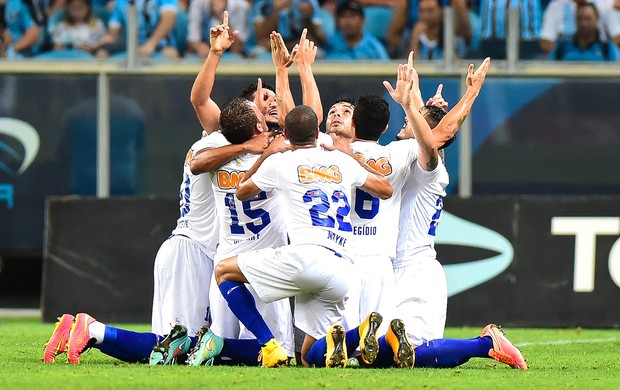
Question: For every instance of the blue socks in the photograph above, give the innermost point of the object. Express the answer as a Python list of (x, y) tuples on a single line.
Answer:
[(352, 339), (316, 354), (449, 353), (128, 346), (440, 353), (244, 351), (242, 304)]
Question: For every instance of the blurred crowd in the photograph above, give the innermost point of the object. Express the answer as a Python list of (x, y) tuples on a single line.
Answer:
[(563, 30)]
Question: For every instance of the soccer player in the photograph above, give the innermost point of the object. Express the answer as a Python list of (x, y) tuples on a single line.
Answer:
[(420, 278), (76, 334), (395, 348), (246, 225), (315, 266)]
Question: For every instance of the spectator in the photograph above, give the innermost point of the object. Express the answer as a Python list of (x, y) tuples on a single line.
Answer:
[(204, 14), (289, 18), (156, 19), (427, 38), (494, 17), (559, 21), (19, 28), (350, 42), (79, 29), (586, 43)]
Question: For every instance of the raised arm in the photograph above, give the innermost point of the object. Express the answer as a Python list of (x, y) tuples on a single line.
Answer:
[(208, 112), (282, 61), (449, 124), (309, 89), (407, 85)]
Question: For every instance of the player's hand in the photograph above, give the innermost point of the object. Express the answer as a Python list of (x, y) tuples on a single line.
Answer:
[(475, 79), (340, 143), (278, 144), (306, 53), (262, 98), (220, 37), (259, 143), (404, 83), (437, 100), (279, 53)]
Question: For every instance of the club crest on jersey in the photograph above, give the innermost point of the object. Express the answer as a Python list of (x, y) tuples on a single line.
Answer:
[(228, 180), (381, 165), (320, 174)]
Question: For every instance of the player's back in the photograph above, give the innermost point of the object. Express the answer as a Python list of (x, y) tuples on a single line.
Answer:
[(244, 226), (317, 187), (374, 227), (421, 209), (197, 219)]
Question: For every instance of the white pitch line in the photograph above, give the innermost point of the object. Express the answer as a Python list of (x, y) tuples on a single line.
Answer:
[(564, 342)]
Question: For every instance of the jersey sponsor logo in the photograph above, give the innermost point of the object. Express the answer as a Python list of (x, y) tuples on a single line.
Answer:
[(229, 179), (381, 165), (320, 174)]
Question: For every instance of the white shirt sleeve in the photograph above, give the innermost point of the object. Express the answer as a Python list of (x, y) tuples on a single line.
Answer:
[(266, 177)]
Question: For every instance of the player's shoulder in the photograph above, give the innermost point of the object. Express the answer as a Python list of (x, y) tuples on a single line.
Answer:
[(213, 140)]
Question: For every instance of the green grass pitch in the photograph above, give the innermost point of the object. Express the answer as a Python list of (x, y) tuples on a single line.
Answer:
[(558, 359)]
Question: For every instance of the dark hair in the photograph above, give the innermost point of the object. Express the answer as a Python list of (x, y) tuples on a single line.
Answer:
[(349, 100), (370, 117), (588, 5), (249, 91), (350, 6), (301, 124), (238, 120), (434, 115)]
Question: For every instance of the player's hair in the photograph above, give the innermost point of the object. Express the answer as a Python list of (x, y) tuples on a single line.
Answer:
[(249, 91), (349, 100), (370, 116), (433, 116), (301, 124), (238, 120)]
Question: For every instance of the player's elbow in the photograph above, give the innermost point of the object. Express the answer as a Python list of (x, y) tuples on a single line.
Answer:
[(386, 193), (385, 190)]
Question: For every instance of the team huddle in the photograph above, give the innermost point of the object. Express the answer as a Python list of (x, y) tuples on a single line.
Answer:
[(285, 230)]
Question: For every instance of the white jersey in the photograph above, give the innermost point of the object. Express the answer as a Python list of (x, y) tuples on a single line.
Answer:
[(197, 212), (317, 185), (420, 213), (374, 228), (244, 226)]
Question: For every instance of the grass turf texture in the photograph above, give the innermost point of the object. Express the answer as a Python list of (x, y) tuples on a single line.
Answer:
[(558, 358)]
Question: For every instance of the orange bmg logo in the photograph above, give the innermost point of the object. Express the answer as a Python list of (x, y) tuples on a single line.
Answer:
[(228, 180), (321, 174), (381, 165)]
